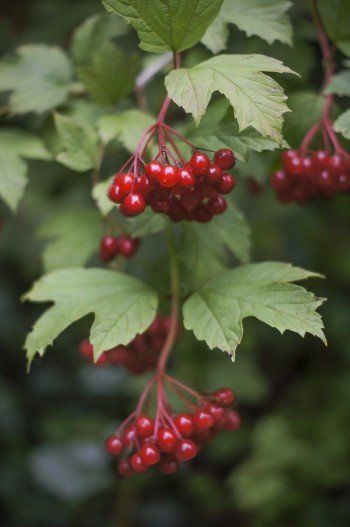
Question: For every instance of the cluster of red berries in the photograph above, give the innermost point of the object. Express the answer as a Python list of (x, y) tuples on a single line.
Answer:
[(192, 191), (140, 355), (308, 176), (148, 442), (123, 245)]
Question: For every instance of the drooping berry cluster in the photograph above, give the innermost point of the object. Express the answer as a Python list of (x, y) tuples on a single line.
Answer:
[(191, 191), (123, 245), (139, 355), (171, 438), (304, 177)]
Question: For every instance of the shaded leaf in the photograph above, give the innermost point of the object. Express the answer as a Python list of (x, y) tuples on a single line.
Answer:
[(123, 306)]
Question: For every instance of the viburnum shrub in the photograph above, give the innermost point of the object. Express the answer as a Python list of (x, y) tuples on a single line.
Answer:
[(316, 173), (99, 110)]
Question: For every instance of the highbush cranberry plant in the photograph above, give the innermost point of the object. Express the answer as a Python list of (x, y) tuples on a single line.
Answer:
[(168, 168)]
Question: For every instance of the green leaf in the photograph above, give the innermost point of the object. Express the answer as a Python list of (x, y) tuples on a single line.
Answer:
[(265, 291), (205, 248), (122, 307), (92, 33), (299, 121), (166, 24), (75, 235), (258, 101), (80, 144), (14, 146), (265, 18), (38, 78), (111, 76), (146, 223), (336, 19), (340, 84), (99, 193), (126, 126), (342, 124)]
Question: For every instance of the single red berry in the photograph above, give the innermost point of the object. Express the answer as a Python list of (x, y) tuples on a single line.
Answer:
[(294, 166), (202, 420), (168, 466), (137, 464), (308, 166), (186, 450), (215, 411), (128, 246), (186, 178), (133, 204), (108, 248), (224, 396), (124, 468), (114, 445), (343, 182), (199, 163), (184, 424), (142, 185), (214, 175), (129, 436), (279, 180), (150, 454), (226, 184), (115, 193), (144, 425), (169, 176), (167, 439), (86, 349), (336, 164), (325, 179), (224, 159), (232, 421), (191, 199), (125, 182), (153, 169), (217, 205), (202, 214), (320, 158)]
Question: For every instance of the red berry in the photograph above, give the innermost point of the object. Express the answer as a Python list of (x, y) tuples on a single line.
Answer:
[(150, 454), (199, 163), (186, 178), (168, 466), (108, 248), (279, 180), (133, 204), (114, 445), (343, 182), (124, 468), (144, 425), (232, 421), (125, 182), (217, 205), (167, 439), (215, 411), (202, 214), (224, 159), (86, 349), (294, 166), (129, 436), (153, 169), (137, 464), (169, 176), (184, 424), (308, 166), (115, 193), (336, 164), (202, 420), (226, 184), (288, 154), (224, 396), (127, 245), (320, 158), (213, 175), (325, 179), (186, 450)]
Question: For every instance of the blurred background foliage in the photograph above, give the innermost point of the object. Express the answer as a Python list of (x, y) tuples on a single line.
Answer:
[(289, 464)]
